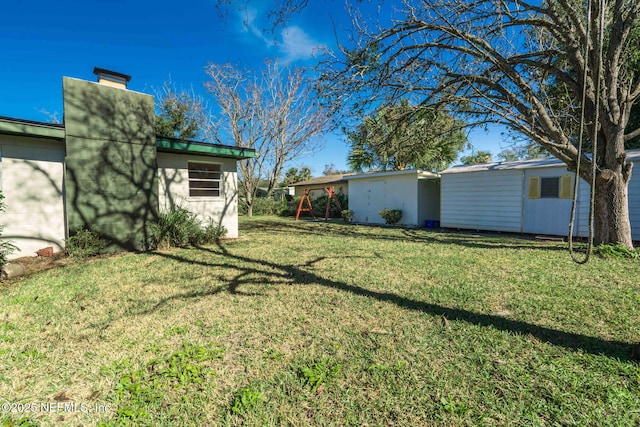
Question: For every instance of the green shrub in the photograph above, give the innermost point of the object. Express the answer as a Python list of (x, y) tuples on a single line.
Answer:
[(212, 232), (268, 206), (84, 243), (291, 207), (347, 215), (265, 206), (180, 228), (391, 216), (320, 205), (6, 247)]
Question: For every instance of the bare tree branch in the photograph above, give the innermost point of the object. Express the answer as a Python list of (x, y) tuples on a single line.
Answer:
[(274, 113)]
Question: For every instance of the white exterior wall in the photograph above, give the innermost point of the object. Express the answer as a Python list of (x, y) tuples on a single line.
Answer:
[(32, 181), (552, 215), (634, 202), (173, 181), (471, 199), (367, 196), (482, 200)]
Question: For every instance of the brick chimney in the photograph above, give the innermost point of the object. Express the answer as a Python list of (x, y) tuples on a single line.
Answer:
[(111, 78)]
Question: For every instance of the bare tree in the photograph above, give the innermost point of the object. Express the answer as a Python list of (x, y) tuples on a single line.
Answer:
[(274, 113), (502, 61), (52, 117)]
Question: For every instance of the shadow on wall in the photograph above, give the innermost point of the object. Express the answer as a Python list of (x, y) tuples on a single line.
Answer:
[(173, 177), (111, 172), (34, 193)]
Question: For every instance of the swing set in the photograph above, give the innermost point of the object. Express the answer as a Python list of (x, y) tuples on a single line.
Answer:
[(331, 192)]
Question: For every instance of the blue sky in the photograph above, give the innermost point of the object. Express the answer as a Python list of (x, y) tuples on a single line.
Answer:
[(154, 42)]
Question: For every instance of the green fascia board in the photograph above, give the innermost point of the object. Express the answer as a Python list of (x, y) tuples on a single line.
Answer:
[(19, 127), (202, 148)]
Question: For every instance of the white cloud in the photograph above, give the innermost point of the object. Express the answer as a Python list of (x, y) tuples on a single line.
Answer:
[(297, 45), (294, 44), (249, 25)]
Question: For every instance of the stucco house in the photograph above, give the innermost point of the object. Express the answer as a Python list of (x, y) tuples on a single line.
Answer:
[(415, 192), (527, 196), (105, 169)]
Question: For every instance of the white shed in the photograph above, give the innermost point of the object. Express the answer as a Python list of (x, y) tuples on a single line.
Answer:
[(415, 192), (527, 196)]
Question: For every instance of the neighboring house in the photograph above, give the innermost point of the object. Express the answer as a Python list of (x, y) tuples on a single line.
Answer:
[(277, 193), (415, 192), (316, 186), (528, 196), (106, 170)]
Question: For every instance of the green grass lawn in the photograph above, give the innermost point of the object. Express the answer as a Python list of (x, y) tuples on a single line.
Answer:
[(313, 323)]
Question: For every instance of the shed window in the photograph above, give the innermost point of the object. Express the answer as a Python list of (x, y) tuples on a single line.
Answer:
[(204, 179), (550, 188)]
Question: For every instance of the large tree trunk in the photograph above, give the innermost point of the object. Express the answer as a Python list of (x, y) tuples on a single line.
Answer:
[(611, 211)]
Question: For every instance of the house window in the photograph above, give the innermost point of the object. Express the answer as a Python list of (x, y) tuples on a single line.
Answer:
[(550, 188), (204, 179)]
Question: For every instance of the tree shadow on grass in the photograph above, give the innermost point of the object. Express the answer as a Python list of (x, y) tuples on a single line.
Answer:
[(469, 239), (272, 273)]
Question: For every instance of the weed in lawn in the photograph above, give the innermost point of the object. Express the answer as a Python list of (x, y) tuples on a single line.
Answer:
[(20, 422), (30, 354), (181, 368), (383, 369), (617, 251), (176, 330), (154, 387), (7, 332), (319, 373), (453, 407), (246, 399), (272, 354)]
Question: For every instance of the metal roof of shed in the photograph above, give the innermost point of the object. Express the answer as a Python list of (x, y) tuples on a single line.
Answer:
[(420, 174), (632, 155)]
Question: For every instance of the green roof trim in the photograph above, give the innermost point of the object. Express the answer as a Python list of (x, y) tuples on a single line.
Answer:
[(203, 148), (11, 126)]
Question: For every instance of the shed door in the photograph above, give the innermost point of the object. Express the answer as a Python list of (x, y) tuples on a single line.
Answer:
[(376, 200)]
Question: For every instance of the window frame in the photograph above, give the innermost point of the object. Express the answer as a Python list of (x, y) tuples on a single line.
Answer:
[(555, 189), (219, 180)]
